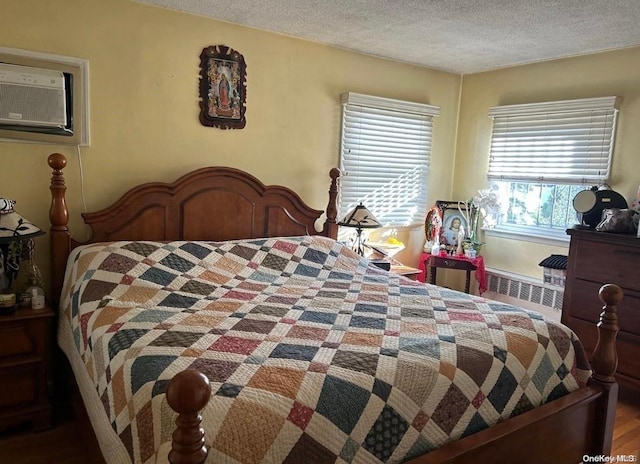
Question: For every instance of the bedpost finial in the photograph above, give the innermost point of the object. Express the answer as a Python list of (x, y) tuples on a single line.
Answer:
[(188, 392), (330, 228), (611, 294), (57, 161), (605, 358)]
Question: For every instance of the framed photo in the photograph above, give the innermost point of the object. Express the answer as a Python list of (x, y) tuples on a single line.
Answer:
[(223, 88), (452, 219)]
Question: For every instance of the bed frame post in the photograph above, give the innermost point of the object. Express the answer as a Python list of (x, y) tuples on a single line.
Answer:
[(605, 362), (330, 225), (59, 237), (188, 393)]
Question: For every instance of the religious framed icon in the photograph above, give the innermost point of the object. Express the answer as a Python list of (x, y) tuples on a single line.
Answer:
[(454, 218), (223, 88)]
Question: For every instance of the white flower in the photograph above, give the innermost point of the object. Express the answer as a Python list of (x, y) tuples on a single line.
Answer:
[(487, 204), (486, 199)]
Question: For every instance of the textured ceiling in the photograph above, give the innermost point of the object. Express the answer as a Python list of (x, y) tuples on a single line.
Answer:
[(461, 36)]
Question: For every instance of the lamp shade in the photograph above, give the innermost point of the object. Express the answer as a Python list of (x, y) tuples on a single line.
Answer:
[(361, 218), (13, 226)]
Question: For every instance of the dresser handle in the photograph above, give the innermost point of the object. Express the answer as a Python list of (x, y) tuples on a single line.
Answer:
[(449, 263)]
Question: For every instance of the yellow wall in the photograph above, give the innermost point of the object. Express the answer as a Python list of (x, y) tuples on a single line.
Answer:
[(144, 67), (604, 74)]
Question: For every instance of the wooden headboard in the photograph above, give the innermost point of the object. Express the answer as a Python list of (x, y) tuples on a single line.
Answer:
[(213, 203)]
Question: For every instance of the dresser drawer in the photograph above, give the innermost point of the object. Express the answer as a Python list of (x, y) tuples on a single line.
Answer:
[(628, 348), (603, 262), (586, 305)]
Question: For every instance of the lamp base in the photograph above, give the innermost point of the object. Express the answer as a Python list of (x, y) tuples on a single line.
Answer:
[(7, 304), (359, 248), (7, 310)]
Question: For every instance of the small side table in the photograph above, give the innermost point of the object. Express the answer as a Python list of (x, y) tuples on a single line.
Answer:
[(432, 263), (24, 368)]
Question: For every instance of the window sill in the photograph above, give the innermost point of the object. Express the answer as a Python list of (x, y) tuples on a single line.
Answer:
[(530, 234)]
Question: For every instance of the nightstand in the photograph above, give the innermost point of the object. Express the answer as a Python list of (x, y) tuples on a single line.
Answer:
[(461, 263), (24, 368)]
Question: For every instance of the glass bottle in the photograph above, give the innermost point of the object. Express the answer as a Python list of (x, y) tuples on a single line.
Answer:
[(29, 277), (4, 282), (33, 271)]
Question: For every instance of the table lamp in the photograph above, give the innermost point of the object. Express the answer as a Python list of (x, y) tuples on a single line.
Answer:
[(14, 229), (360, 218)]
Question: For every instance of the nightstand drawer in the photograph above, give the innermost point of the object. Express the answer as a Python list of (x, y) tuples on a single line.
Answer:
[(19, 385), (24, 343), (21, 339), (451, 263)]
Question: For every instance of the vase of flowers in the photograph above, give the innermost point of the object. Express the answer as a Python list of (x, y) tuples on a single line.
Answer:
[(480, 213)]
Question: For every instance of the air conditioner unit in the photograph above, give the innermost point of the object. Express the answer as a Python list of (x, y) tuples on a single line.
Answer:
[(33, 99)]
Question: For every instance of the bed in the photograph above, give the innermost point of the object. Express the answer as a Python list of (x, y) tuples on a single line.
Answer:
[(216, 296)]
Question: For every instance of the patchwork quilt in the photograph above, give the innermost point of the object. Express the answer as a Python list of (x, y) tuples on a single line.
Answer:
[(311, 351)]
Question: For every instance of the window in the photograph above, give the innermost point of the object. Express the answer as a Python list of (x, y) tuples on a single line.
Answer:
[(385, 153), (543, 154)]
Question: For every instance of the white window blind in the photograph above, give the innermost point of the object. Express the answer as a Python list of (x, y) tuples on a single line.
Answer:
[(385, 155), (567, 142)]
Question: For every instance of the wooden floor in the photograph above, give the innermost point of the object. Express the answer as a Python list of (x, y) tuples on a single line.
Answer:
[(63, 445), (626, 436)]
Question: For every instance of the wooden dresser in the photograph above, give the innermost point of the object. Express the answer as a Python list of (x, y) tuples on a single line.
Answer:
[(597, 258)]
